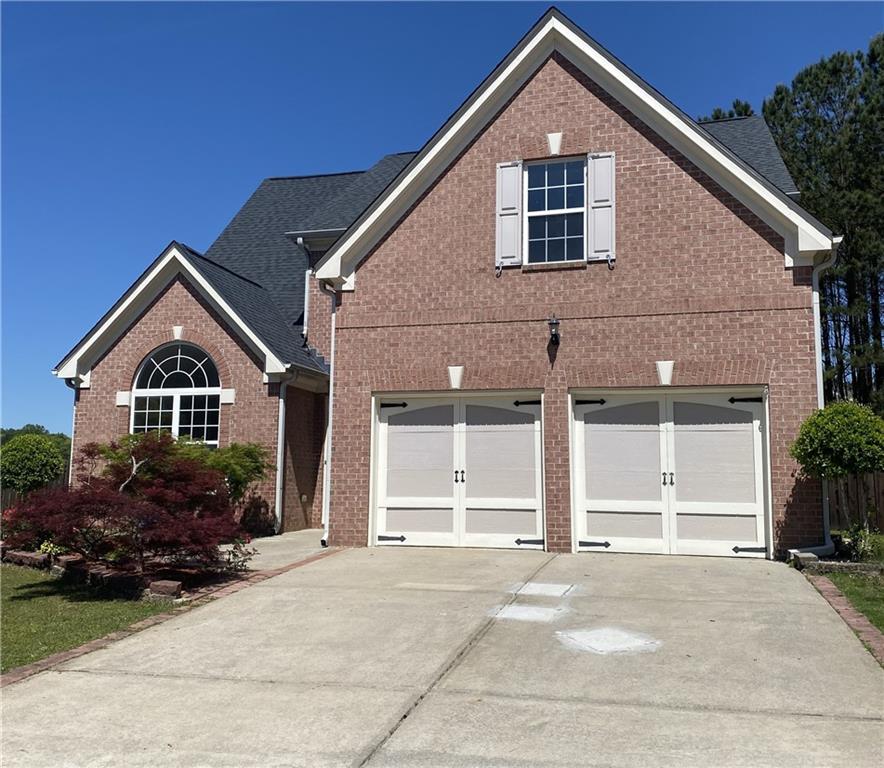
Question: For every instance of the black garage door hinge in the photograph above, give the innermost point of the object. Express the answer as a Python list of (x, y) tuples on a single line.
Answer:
[(520, 542), (394, 405), (600, 401), (733, 400), (517, 403), (604, 544), (391, 538), (737, 550)]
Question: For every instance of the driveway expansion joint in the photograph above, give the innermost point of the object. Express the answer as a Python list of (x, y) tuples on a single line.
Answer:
[(450, 666)]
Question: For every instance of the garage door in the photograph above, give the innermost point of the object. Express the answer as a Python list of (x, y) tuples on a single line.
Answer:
[(678, 474), (459, 472)]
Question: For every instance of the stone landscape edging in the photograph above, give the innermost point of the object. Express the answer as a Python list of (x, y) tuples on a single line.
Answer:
[(868, 633), (196, 598)]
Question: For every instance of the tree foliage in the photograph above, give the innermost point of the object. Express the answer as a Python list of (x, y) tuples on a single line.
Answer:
[(30, 461), (136, 498), (59, 438), (840, 440), (739, 108), (829, 127)]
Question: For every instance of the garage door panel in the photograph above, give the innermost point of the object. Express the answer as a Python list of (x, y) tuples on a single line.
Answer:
[(716, 527), (629, 525), (425, 520), (502, 521), (622, 452), (714, 454)]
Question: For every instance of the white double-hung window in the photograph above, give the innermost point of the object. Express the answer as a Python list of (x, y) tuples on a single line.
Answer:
[(556, 210), (555, 206), (177, 389)]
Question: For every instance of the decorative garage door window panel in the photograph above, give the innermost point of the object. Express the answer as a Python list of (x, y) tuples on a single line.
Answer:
[(462, 472), (670, 474), (177, 389)]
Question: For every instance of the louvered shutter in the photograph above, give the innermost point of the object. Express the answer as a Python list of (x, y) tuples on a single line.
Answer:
[(600, 207), (509, 214)]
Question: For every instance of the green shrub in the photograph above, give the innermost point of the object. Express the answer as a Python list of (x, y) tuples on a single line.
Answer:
[(30, 461), (841, 439), (241, 463)]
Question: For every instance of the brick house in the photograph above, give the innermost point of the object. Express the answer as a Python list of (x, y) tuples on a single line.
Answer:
[(576, 320)]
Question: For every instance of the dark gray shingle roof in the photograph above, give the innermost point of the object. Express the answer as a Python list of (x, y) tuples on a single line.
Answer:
[(751, 140)]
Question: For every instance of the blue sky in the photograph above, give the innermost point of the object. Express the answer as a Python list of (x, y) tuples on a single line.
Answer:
[(127, 125)]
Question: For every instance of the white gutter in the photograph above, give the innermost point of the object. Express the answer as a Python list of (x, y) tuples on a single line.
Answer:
[(73, 429), (827, 547), (327, 454)]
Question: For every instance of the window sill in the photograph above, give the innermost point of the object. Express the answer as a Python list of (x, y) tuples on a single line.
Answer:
[(553, 265)]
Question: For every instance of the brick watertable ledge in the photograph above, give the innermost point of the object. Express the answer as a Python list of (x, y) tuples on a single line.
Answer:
[(198, 597), (864, 629)]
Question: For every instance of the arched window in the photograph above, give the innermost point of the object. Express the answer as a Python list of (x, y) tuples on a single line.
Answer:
[(177, 389)]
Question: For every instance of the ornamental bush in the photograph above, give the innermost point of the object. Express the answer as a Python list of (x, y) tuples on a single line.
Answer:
[(136, 498), (842, 439), (30, 461)]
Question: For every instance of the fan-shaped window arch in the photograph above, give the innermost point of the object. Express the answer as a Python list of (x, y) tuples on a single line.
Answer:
[(177, 388)]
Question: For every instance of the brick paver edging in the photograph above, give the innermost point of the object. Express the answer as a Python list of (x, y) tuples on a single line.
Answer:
[(201, 597), (864, 629)]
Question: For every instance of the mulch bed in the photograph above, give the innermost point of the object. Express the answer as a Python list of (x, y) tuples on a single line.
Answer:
[(198, 596)]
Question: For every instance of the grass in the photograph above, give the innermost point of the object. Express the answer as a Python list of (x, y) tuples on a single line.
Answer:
[(42, 615), (865, 592)]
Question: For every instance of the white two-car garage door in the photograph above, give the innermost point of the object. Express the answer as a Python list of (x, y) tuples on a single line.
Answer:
[(674, 473), (462, 471)]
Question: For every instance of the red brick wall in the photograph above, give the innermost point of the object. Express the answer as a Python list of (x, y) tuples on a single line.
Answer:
[(699, 279), (252, 418), (305, 434)]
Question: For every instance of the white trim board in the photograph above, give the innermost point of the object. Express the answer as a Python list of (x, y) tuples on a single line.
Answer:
[(170, 264), (804, 236)]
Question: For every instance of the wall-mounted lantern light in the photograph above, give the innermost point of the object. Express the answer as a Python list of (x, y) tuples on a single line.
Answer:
[(554, 337)]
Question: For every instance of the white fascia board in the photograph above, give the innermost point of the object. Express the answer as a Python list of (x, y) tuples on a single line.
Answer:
[(781, 213), (79, 362)]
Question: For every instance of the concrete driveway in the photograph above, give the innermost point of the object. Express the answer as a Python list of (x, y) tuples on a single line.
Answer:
[(425, 657)]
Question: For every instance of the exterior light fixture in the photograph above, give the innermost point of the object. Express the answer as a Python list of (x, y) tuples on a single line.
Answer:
[(554, 337)]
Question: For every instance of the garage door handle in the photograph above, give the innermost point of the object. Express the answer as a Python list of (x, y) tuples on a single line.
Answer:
[(462, 477), (672, 478), (455, 475), (664, 478)]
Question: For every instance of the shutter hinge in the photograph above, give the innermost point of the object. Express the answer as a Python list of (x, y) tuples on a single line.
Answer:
[(394, 405), (517, 403), (390, 538), (604, 544), (737, 550), (529, 541), (600, 401), (733, 400)]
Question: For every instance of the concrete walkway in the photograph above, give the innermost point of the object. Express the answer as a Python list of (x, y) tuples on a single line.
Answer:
[(388, 657)]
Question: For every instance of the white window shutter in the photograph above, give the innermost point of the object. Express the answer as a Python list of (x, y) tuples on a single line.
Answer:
[(509, 214), (600, 208)]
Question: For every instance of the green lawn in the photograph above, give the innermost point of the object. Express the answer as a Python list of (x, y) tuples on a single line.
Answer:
[(42, 615), (865, 592)]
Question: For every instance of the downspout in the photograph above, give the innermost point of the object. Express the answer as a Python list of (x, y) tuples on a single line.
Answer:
[(327, 454), (280, 451), (827, 547), (69, 383)]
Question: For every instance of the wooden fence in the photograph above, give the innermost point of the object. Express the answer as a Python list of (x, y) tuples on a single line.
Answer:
[(847, 496), (9, 497)]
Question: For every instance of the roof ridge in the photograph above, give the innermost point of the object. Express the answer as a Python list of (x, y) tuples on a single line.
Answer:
[(727, 119), (227, 269), (314, 175)]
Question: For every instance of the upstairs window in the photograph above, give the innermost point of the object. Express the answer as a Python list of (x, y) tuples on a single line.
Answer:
[(555, 204), (177, 389)]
